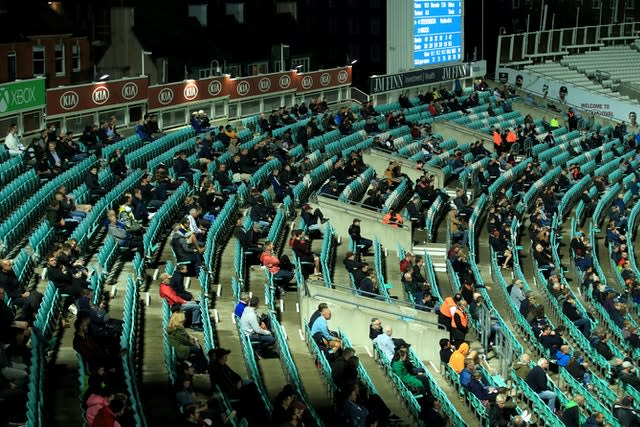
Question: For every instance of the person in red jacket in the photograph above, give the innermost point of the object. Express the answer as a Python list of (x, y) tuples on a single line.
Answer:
[(107, 416), (192, 307), (269, 260)]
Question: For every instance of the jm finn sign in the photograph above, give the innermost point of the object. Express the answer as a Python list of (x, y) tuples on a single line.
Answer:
[(389, 82)]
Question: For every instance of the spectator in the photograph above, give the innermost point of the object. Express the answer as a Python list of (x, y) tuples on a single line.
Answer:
[(12, 141), (301, 246), (375, 328), (385, 343), (628, 375), (626, 413), (393, 219), (313, 220), (117, 163), (581, 322), (571, 415), (481, 391), (92, 183), (177, 282), (351, 264), (521, 367), (320, 332), (272, 263), (186, 248), (344, 369), (243, 302), (362, 244), (456, 360), (28, 301), (459, 323), (537, 380), (186, 306), (446, 350), (186, 347), (257, 331), (417, 383), (235, 387), (107, 415), (516, 294), (467, 373)]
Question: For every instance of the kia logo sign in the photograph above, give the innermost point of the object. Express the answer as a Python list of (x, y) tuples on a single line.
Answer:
[(264, 84), (243, 88), (285, 81), (69, 100), (343, 76), (100, 95), (214, 88), (129, 91), (190, 92), (165, 96), (307, 82), (325, 79)]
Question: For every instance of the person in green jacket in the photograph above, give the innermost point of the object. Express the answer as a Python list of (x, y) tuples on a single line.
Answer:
[(571, 414), (185, 346), (416, 383)]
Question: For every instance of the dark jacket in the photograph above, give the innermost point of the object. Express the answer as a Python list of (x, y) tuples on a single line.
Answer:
[(537, 379), (571, 415)]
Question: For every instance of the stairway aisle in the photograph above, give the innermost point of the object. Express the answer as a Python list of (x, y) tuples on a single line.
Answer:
[(65, 404), (393, 276), (384, 386), (313, 383), (156, 393)]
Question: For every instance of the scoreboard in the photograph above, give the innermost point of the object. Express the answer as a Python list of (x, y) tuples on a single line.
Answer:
[(437, 32)]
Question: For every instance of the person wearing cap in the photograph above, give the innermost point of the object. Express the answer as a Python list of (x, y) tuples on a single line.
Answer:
[(363, 244), (255, 330), (187, 306)]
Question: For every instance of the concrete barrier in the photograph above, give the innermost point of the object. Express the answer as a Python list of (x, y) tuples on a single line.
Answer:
[(380, 160), (352, 314), (342, 215)]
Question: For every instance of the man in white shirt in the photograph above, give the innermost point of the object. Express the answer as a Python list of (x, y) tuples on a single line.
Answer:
[(12, 141), (385, 343), (252, 328), (194, 227)]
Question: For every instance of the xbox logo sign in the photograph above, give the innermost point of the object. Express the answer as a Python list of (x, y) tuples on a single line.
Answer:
[(4, 100)]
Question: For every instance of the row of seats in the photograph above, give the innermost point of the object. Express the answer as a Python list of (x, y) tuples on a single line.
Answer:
[(91, 224), (130, 347), (380, 269), (14, 191), (45, 322), (10, 169), (139, 158), (22, 219), (163, 218), (356, 189)]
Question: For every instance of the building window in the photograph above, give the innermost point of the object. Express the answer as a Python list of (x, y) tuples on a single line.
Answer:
[(75, 57), (375, 25), (580, 3), (596, 4), (354, 25), (60, 59), (374, 53), (38, 61), (515, 4), (12, 66), (304, 61), (629, 4), (258, 68)]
